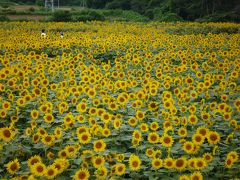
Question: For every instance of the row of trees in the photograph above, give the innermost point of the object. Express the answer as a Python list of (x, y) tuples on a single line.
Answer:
[(185, 9)]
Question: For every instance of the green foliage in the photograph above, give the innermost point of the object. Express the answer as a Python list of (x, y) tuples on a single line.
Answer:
[(203, 30), (87, 15), (124, 15), (31, 9), (39, 3), (170, 10), (134, 16), (220, 17), (3, 18), (118, 5), (61, 16), (159, 15), (8, 10)]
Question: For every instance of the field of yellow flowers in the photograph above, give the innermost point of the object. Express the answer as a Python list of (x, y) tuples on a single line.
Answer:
[(118, 100)]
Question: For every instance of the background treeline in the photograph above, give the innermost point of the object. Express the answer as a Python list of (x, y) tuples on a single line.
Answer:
[(164, 10)]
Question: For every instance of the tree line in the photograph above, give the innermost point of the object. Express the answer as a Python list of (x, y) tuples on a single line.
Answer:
[(218, 10)]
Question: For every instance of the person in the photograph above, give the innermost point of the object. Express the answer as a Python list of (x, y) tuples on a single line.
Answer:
[(43, 34), (61, 34)]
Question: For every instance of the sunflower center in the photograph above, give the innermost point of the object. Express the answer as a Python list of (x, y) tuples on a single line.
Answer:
[(13, 167), (81, 175), (7, 133), (135, 163)]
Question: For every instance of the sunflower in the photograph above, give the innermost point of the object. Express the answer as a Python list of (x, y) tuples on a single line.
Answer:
[(7, 134), (213, 137), (38, 169), (99, 145), (6, 105), (120, 169), (113, 106), (198, 139), (140, 115), (96, 102), (98, 161), (63, 154), (157, 163), (180, 163), (82, 129), (152, 106), (154, 126), (207, 157), (188, 147), (33, 124), (153, 137), (91, 92), (58, 132), (202, 130), (50, 155), (60, 165), (168, 163), (82, 174), (233, 155), (168, 104), (34, 159), (51, 172), (28, 131), (134, 162), (48, 140), (228, 163), (44, 108), (137, 135), (182, 132), (82, 107), (150, 152), (122, 100), (3, 113), (205, 116), (69, 119), (106, 117), (192, 119), (71, 150), (106, 132), (199, 163), (196, 176), (48, 118), (35, 138), (166, 140), (144, 127), (80, 118), (117, 123), (13, 166), (120, 157), (190, 163), (84, 137), (183, 177), (132, 121), (101, 173)]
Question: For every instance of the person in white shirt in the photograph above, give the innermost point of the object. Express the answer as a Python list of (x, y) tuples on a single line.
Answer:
[(61, 34), (43, 34)]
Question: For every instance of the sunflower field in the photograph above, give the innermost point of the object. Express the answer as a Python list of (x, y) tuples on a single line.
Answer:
[(119, 100)]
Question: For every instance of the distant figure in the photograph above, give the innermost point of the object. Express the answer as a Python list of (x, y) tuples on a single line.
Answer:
[(43, 34), (61, 34)]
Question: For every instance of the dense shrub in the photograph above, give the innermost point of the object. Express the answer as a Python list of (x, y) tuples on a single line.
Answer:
[(87, 15), (31, 9), (160, 15), (3, 18), (61, 16), (124, 15), (221, 17)]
